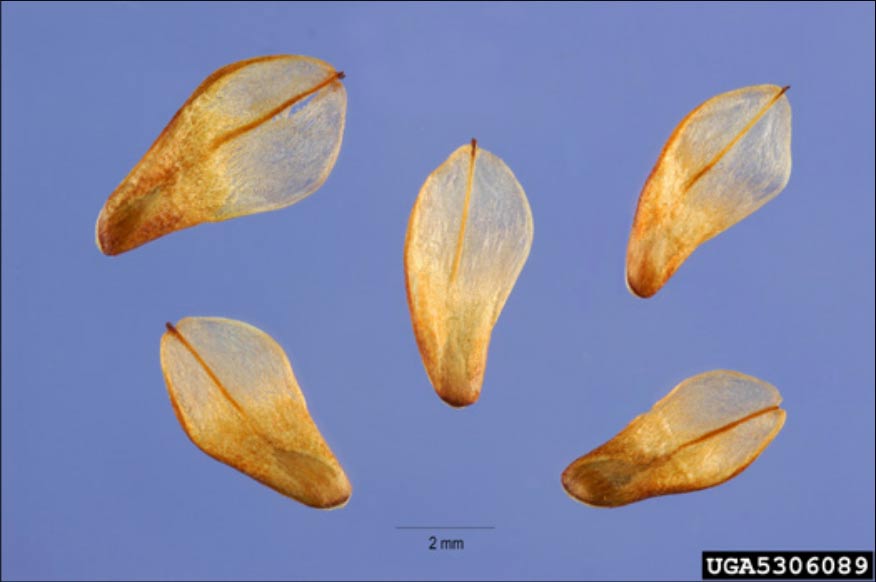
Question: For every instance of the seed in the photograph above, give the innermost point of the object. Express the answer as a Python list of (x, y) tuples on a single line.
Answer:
[(468, 237), (235, 395), (257, 135), (727, 158), (703, 433)]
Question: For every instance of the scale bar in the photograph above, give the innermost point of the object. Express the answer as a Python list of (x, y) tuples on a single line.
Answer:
[(445, 527)]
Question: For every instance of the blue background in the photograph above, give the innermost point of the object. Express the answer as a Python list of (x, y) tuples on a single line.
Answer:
[(99, 480)]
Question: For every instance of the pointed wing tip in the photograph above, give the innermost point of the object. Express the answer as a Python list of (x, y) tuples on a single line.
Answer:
[(783, 416), (341, 75)]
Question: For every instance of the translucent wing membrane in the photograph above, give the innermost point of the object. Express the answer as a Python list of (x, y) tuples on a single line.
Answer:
[(257, 135), (704, 432), (468, 237), (235, 395), (727, 158)]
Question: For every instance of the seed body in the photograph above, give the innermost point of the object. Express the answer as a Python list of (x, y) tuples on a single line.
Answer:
[(235, 395), (468, 237), (707, 430), (255, 136), (727, 158)]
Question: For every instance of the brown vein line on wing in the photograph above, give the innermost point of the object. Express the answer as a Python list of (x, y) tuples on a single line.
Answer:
[(660, 460), (213, 377), (710, 434), (276, 110), (696, 177), (465, 207), (231, 400)]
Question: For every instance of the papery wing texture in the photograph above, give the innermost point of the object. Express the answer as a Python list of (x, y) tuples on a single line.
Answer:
[(704, 432), (235, 395), (468, 237), (726, 159), (257, 135)]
